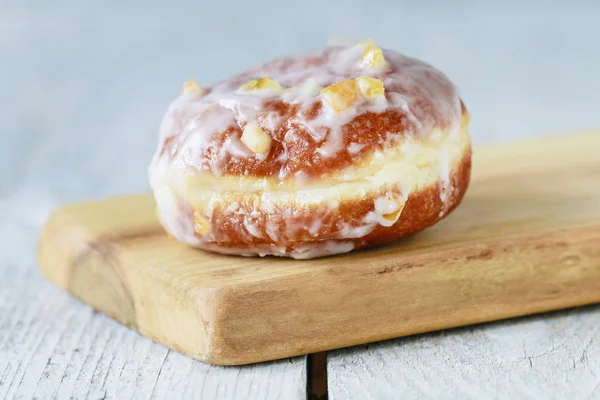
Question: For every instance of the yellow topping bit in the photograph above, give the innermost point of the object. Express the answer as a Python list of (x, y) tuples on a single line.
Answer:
[(250, 85), (261, 84), (370, 88), (393, 216), (256, 139), (266, 83), (342, 95), (390, 206), (373, 57), (192, 87), (201, 224)]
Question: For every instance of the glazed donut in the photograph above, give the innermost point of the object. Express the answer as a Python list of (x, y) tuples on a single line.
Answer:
[(313, 155)]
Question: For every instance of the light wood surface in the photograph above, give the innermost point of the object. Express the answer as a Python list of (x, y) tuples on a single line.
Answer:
[(55, 347), (525, 240)]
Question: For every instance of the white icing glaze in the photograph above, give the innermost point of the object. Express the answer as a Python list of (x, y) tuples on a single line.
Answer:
[(193, 122), (225, 106), (445, 169), (403, 172), (321, 249), (350, 231), (172, 216), (301, 252), (251, 227), (272, 231), (355, 147)]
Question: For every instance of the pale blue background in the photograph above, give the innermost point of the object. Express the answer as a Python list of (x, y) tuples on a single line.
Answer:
[(98, 75)]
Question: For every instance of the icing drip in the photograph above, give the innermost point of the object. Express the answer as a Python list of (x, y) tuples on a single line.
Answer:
[(202, 131), (295, 145)]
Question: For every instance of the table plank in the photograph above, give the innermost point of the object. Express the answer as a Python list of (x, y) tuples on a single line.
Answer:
[(544, 356), (53, 346)]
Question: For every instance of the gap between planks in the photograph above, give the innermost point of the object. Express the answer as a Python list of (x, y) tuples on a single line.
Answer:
[(316, 376)]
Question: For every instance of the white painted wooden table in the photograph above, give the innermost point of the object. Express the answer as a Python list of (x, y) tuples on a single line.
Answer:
[(83, 87), (52, 346)]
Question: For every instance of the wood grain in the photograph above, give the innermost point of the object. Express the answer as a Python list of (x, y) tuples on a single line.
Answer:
[(55, 347), (525, 240)]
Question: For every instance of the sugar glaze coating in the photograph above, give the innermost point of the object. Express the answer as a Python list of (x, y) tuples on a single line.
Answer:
[(217, 191)]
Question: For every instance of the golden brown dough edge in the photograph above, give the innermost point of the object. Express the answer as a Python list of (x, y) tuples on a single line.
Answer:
[(422, 209), (290, 230)]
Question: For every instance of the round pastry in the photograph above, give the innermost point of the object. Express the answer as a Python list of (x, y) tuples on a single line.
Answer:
[(313, 155)]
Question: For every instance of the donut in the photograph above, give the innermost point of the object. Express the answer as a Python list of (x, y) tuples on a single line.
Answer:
[(312, 155)]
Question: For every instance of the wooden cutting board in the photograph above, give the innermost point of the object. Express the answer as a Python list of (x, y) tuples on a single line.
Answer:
[(526, 239)]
